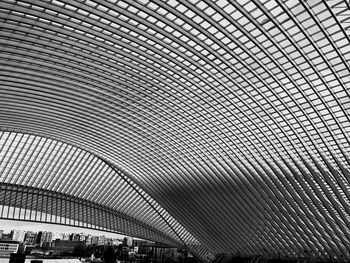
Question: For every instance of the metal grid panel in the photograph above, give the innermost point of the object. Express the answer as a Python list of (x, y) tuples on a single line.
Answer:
[(41, 208), (232, 115), (55, 167)]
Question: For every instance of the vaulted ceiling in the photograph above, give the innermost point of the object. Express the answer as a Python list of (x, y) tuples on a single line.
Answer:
[(220, 126)]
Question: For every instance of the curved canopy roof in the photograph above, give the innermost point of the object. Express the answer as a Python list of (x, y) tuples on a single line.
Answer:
[(221, 126)]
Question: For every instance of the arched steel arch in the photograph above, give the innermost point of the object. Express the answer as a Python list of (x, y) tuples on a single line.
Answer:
[(50, 181), (33, 204), (232, 116)]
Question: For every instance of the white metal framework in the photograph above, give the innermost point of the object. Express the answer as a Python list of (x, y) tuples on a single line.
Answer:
[(219, 125)]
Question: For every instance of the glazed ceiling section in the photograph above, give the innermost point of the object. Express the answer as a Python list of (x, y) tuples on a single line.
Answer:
[(51, 165), (128, 42), (233, 115), (55, 167), (20, 202)]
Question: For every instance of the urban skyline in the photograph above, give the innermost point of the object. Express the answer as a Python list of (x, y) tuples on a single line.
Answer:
[(8, 225)]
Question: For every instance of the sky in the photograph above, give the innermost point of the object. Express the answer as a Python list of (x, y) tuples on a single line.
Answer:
[(8, 225)]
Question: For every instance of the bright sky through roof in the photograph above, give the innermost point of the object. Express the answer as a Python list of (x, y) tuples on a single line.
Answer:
[(8, 225)]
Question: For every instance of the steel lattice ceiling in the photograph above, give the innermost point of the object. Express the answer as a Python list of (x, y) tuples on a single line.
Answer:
[(218, 125)]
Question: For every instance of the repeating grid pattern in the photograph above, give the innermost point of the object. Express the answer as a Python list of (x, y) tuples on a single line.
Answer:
[(26, 203), (67, 185), (233, 115)]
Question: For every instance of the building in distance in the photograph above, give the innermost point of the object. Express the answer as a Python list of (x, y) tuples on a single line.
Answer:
[(18, 235)]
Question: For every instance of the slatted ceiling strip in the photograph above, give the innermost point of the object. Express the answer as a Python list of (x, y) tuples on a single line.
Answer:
[(340, 197), (79, 164), (319, 52), (52, 152), (70, 155), (7, 158), (325, 175), (240, 230), (324, 209), (305, 200), (83, 170), (15, 168), (264, 214), (92, 168)]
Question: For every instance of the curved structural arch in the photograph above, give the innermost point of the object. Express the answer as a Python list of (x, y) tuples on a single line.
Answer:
[(35, 204), (50, 181), (233, 116)]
